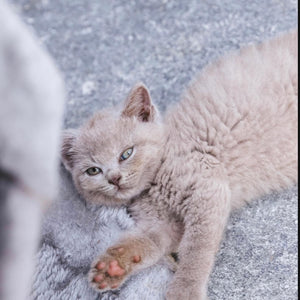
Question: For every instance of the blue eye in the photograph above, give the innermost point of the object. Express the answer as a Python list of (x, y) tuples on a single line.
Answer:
[(126, 153), (93, 171)]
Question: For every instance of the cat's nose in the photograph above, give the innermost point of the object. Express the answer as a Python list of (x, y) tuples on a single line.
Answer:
[(115, 179)]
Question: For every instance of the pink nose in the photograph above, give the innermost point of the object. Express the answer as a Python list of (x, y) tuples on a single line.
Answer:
[(115, 179)]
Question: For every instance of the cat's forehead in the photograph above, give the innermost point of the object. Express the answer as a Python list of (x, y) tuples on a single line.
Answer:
[(107, 133), (107, 124)]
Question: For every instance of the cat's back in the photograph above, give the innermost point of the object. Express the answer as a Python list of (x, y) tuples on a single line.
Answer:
[(243, 111), (242, 83)]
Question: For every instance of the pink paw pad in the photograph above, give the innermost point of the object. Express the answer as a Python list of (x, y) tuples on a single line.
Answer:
[(103, 285), (98, 278), (114, 269), (100, 265), (136, 259)]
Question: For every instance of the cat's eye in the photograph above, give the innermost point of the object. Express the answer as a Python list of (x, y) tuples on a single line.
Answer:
[(93, 171), (126, 153)]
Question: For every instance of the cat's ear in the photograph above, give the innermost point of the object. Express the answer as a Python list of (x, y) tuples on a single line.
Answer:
[(138, 104), (67, 148)]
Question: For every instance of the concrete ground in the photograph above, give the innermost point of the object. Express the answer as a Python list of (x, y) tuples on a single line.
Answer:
[(103, 47)]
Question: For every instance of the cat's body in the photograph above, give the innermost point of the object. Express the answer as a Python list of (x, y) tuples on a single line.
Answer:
[(232, 138), (243, 112)]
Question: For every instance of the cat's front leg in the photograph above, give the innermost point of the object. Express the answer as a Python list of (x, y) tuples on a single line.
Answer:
[(139, 250), (204, 225)]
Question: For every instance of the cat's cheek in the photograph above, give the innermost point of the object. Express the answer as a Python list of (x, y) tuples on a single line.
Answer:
[(88, 183)]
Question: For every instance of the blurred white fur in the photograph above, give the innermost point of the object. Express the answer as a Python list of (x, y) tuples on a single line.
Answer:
[(31, 106)]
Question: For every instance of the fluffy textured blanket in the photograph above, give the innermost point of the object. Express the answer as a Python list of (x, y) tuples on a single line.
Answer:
[(103, 48)]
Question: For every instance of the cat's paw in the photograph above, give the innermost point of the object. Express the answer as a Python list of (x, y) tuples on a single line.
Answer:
[(109, 271), (107, 274)]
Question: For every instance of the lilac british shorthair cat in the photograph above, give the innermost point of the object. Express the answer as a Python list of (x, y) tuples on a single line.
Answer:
[(232, 138)]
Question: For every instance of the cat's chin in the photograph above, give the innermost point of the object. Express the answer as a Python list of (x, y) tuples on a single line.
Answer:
[(126, 194)]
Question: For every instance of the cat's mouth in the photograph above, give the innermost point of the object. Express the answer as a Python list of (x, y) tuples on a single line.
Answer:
[(123, 192), (123, 189), (123, 186), (119, 188)]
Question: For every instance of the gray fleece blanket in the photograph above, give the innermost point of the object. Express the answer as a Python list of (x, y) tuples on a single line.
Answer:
[(103, 48)]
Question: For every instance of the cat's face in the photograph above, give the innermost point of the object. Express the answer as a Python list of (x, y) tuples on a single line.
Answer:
[(113, 158)]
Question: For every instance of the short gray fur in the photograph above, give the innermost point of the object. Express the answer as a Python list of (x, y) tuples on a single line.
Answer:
[(103, 48)]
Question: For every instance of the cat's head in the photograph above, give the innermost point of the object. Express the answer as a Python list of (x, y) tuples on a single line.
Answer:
[(114, 156)]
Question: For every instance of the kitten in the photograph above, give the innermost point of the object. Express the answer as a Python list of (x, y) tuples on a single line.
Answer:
[(232, 138)]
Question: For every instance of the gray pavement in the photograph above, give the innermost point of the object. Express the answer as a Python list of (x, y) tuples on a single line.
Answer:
[(104, 47)]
